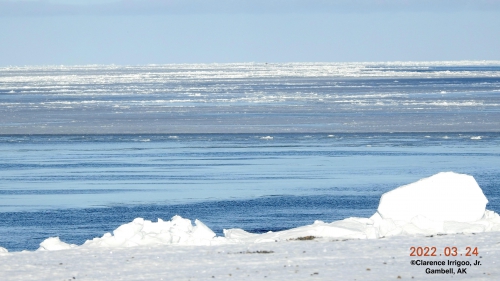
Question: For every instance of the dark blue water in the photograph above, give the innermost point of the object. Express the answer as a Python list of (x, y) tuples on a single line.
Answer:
[(25, 230), (78, 187)]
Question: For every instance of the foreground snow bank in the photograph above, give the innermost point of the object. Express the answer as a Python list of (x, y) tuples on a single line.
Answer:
[(444, 203), (319, 259)]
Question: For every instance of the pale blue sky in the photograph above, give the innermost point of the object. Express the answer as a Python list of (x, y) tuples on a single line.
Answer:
[(203, 31)]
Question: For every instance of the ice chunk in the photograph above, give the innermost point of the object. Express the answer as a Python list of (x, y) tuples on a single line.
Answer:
[(145, 232), (54, 244), (201, 231), (237, 234), (3, 250), (446, 196)]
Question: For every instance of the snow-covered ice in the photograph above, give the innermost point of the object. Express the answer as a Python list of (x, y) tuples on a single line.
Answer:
[(447, 207), (144, 232), (318, 259), (442, 197)]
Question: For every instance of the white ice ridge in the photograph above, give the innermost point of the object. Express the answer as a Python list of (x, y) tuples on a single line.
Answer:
[(445, 203)]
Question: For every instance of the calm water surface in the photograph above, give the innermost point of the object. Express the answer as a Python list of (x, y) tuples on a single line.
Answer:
[(79, 187)]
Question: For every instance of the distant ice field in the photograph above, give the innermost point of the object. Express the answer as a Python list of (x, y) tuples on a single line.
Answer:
[(459, 96)]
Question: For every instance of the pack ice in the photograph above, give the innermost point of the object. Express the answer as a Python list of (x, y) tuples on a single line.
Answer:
[(443, 203)]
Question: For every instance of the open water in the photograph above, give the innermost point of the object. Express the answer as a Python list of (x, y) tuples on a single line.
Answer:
[(254, 146)]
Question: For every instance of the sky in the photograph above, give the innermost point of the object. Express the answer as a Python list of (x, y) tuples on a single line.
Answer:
[(131, 32)]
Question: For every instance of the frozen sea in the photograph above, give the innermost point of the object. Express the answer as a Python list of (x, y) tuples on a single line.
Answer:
[(260, 147)]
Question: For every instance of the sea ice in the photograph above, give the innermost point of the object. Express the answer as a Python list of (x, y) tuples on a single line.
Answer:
[(445, 196), (55, 244), (320, 259), (144, 232)]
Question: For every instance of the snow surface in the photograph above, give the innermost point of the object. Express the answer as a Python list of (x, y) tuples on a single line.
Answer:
[(318, 259), (353, 248)]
